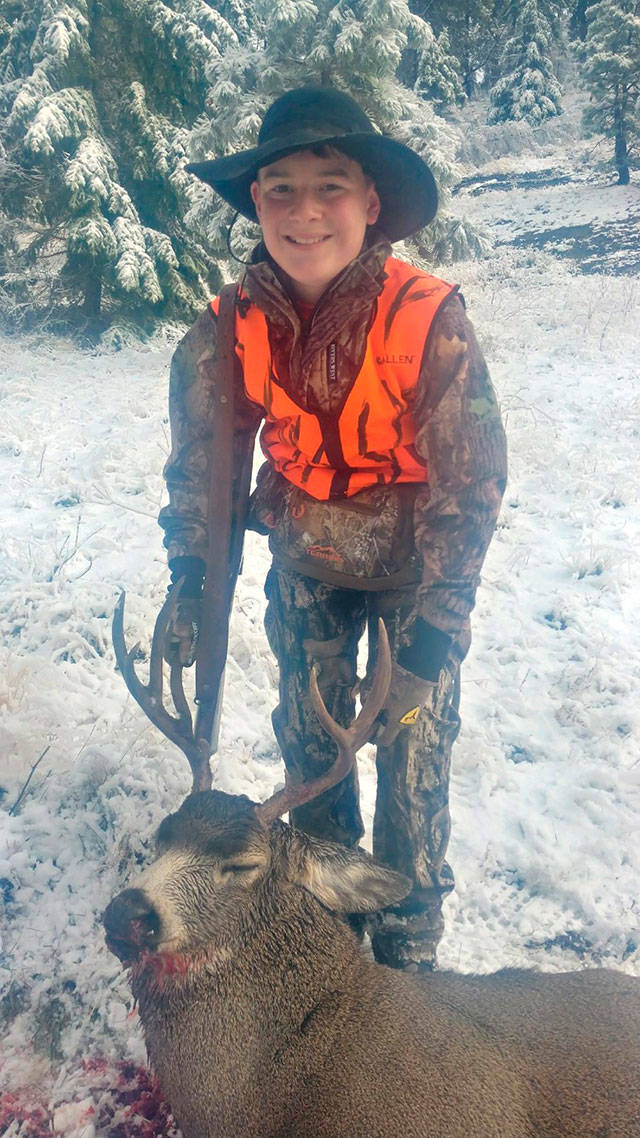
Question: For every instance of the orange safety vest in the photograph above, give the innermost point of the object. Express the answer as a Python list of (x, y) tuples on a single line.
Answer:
[(370, 441)]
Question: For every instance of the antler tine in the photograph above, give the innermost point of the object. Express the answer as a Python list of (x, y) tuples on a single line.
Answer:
[(360, 729), (349, 739), (148, 696), (178, 729)]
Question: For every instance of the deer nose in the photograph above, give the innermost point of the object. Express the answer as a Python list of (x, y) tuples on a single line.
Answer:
[(131, 925)]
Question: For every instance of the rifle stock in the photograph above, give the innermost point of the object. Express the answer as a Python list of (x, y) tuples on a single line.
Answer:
[(228, 494)]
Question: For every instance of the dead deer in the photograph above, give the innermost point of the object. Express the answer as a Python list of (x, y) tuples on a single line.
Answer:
[(264, 1019)]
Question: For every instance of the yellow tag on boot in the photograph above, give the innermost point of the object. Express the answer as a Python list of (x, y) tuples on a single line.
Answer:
[(410, 717)]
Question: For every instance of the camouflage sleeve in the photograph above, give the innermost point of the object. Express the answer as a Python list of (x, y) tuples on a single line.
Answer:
[(461, 438), (191, 389)]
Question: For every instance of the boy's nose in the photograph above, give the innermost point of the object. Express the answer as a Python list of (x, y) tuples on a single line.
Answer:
[(305, 205)]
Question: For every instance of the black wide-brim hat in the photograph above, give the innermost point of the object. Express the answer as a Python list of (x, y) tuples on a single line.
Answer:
[(313, 116)]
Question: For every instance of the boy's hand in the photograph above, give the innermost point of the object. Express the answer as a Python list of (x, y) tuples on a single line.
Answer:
[(408, 695), (181, 640)]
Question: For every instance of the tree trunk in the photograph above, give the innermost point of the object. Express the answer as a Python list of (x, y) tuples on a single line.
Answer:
[(469, 78), (622, 165), (92, 297), (469, 73)]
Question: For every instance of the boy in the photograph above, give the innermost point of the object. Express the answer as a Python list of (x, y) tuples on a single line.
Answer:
[(384, 475)]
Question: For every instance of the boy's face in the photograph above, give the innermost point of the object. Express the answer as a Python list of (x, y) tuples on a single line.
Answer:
[(314, 213)]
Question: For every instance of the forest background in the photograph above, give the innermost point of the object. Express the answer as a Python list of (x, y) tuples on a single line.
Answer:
[(103, 102)]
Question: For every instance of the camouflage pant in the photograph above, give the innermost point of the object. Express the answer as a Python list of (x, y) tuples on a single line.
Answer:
[(309, 621)]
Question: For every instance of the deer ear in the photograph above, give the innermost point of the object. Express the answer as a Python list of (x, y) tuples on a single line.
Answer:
[(347, 881)]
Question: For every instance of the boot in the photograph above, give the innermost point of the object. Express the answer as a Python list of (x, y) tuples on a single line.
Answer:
[(408, 941)]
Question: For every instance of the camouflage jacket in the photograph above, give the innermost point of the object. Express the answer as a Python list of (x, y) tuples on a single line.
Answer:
[(459, 430)]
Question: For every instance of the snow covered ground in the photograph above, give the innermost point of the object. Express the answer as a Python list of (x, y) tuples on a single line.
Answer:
[(546, 779)]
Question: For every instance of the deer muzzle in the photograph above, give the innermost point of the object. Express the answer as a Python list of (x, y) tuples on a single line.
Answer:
[(132, 925)]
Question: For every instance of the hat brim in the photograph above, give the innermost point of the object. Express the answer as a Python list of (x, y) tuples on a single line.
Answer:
[(404, 182)]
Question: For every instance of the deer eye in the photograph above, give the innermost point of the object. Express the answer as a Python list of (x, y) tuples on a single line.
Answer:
[(240, 866)]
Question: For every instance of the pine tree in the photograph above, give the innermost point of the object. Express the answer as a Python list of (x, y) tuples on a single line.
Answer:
[(354, 46), (611, 72), (97, 103), (528, 88), (471, 34), (578, 19), (437, 72)]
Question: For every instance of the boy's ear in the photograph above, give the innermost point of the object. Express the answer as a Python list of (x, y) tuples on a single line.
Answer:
[(373, 211), (344, 880), (254, 190)]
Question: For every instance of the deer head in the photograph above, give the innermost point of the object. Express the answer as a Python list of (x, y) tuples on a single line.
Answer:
[(222, 858), (223, 868)]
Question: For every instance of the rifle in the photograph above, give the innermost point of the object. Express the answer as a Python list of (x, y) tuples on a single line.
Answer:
[(230, 478), (225, 525)]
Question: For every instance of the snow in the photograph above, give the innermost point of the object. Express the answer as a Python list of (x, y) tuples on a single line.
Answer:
[(546, 773), (67, 29), (135, 270), (70, 113)]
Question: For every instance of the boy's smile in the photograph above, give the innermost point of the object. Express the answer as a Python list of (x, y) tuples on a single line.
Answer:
[(314, 212)]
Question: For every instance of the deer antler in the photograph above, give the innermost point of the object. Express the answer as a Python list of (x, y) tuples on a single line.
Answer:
[(349, 739), (178, 728)]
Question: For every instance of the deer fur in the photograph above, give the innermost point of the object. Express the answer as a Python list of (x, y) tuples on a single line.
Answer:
[(263, 1018)]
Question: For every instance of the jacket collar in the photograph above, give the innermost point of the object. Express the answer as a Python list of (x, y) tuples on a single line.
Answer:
[(353, 290)]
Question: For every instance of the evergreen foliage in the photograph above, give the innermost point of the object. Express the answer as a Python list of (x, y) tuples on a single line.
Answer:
[(528, 88), (471, 30), (478, 32), (553, 11), (97, 103), (611, 72), (578, 19), (437, 72)]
